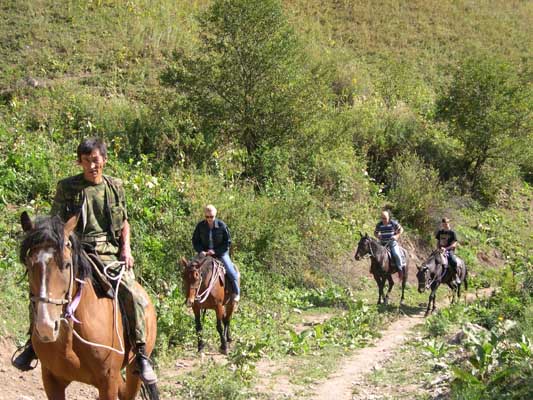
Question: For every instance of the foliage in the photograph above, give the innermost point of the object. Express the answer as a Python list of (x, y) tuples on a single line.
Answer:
[(498, 365), (416, 191), (488, 108), (246, 85)]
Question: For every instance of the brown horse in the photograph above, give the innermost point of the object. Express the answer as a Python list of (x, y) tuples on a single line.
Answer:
[(382, 265), (88, 351), (206, 289)]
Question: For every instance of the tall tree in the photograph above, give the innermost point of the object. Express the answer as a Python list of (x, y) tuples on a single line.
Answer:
[(488, 109), (246, 83)]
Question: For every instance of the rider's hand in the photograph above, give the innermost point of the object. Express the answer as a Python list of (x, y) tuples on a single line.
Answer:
[(211, 252), (125, 255)]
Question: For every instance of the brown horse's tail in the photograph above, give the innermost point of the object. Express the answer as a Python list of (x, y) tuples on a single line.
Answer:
[(149, 392)]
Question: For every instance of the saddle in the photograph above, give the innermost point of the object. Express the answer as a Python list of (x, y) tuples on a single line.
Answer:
[(102, 286), (223, 277), (392, 262)]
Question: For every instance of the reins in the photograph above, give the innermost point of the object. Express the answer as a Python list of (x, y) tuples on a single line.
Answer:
[(117, 278), (217, 272)]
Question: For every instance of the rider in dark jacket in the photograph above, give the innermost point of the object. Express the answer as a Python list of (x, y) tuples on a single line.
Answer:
[(211, 237)]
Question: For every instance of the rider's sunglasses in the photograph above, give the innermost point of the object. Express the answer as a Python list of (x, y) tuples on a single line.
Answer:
[(210, 216)]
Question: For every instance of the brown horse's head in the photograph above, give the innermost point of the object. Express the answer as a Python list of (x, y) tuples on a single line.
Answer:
[(192, 278), (363, 247), (48, 252)]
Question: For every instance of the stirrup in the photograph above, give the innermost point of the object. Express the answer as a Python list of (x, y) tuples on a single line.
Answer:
[(18, 352), (143, 359)]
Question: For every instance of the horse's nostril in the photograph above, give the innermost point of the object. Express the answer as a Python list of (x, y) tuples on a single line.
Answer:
[(56, 326)]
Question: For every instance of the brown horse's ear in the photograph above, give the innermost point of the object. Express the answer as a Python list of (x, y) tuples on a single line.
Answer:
[(26, 222), (70, 225), (418, 267), (183, 262)]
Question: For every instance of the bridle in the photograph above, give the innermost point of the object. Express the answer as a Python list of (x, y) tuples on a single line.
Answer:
[(370, 252), (68, 296), (425, 270)]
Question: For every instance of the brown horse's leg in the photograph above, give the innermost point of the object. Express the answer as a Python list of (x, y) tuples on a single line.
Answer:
[(109, 391), (198, 325), (129, 389), (220, 316), (54, 388), (227, 319)]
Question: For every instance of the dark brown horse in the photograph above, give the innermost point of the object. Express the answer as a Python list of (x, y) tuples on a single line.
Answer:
[(382, 265), (206, 289), (434, 271), (93, 351)]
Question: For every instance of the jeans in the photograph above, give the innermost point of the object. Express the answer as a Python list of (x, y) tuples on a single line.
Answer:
[(452, 260), (396, 253), (231, 271)]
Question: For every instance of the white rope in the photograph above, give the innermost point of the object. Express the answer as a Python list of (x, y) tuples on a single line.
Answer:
[(200, 298), (117, 278)]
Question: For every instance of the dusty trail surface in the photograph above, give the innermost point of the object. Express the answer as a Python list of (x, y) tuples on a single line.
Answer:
[(339, 385)]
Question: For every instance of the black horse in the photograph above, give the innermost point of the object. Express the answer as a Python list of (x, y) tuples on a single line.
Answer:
[(382, 265), (435, 271)]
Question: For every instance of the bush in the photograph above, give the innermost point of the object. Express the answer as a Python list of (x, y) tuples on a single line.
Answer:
[(416, 191)]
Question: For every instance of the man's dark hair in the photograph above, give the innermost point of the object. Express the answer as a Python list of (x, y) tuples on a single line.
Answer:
[(88, 145)]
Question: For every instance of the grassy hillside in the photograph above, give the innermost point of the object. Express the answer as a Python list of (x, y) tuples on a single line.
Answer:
[(360, 129)]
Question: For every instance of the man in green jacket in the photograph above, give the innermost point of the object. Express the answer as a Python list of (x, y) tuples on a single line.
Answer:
[(104, 231)]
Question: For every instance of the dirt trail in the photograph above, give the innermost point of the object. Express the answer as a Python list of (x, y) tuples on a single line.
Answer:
[(339, 385)]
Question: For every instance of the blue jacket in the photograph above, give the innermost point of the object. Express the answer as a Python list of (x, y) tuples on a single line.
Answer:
[(221, 237)]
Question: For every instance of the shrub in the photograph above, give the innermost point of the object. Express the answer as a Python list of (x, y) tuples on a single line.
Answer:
[(416, 191)]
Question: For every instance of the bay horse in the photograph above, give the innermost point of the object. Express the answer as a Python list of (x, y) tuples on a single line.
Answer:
[(206, 289), (382, 265), (77, 335), (434, 271)]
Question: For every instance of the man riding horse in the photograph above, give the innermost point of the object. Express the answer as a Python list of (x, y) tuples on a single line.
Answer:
[(447, 242), (104, 232), (388, 231), (211, 237)]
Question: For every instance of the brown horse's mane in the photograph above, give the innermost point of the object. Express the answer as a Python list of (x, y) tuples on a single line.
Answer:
[(51, 230)]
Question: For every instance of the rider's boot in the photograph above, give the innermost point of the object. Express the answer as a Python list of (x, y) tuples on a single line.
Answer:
[(24, 360), (146, 372)]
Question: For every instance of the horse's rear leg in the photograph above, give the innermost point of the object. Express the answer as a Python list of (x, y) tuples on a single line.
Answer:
[(53, 387), (391, 284), (221, 331), (403, 288)]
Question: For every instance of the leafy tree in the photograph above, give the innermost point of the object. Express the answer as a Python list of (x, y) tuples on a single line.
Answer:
[(245, 85), (489, 111)]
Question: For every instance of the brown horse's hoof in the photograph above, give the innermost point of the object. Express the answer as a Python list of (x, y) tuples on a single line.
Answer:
[(224, 351)]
